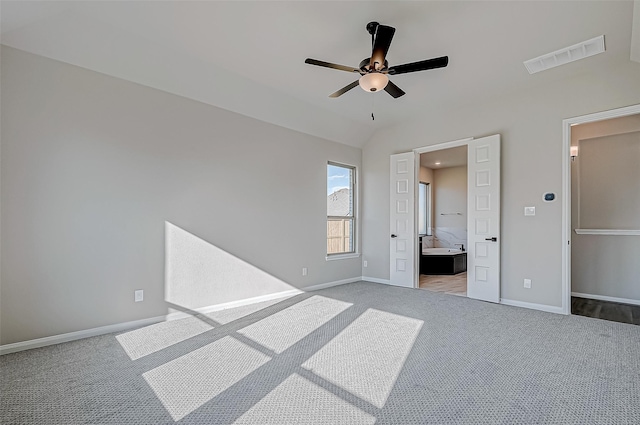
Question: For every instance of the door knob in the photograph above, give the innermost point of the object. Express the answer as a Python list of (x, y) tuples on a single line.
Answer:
[(493, 239), (394, 236)]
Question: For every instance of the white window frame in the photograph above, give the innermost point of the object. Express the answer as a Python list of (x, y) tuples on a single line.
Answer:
[(354, 213), (427, 208)]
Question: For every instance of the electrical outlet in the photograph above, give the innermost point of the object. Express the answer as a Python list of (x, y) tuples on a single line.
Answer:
[(527, 283), (138, 295), (529, 210), (364, 263), (304, 271)]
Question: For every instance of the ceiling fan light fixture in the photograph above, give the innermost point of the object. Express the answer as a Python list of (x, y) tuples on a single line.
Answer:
[(373, 81)]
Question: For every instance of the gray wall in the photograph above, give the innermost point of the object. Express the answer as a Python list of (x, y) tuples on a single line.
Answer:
[(106, 182), (530, 124), (606, 195), (450, 198)]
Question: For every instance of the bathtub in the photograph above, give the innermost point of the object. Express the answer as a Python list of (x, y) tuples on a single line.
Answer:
[(443, 261), (440, 251)]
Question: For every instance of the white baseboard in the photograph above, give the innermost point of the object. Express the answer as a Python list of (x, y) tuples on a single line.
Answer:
[(72, 336), (330, 284), (119, 327), (376, 280), (606, 298), (532, 306)]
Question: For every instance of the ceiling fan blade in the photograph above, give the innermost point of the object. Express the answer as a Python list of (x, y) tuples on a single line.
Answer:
[(381, 42), (394, 90), (331, 65), (419, 66), (344, 89)]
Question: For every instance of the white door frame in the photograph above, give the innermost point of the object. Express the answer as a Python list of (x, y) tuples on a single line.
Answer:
[(417, 152), (566, 188)]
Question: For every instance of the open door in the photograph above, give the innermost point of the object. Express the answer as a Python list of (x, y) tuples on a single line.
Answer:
[(483, 256), (402, 219)]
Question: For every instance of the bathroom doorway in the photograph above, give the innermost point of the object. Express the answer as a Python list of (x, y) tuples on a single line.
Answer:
[(442, 221), (482, 217)]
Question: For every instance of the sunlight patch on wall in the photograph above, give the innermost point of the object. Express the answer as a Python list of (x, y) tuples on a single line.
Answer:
[(188, 382), (367, 356), (199, 274), (150, 339), (281, 330), (297, 398)]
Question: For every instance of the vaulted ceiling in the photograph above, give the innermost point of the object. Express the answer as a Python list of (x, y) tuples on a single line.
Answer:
[(248, 57)]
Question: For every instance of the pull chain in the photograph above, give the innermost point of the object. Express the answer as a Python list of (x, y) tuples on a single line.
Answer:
[(373, 104)]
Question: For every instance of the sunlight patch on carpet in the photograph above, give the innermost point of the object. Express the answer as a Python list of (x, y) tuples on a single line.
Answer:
[(281, 330), (298, 401), (150, 339), (367, 356), (188, 382)]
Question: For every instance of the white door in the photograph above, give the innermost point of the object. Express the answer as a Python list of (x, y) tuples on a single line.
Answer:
[(483, 252), (402, 223)]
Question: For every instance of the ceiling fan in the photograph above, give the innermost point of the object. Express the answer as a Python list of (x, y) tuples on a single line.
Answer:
[(374, 70)]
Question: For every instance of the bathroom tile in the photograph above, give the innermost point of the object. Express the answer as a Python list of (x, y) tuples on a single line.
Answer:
[(448, 284)]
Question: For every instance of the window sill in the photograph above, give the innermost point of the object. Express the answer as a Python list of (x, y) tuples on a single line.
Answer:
[(342, 256)]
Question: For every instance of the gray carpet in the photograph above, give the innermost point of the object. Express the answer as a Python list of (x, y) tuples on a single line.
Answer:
[(355, 354)]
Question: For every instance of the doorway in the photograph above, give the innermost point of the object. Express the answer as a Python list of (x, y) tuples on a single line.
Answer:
[(442, 221), (601, 224), (577, 222), (483, 216)]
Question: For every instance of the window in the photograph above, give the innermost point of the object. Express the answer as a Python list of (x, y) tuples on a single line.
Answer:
[(424, 209), (340, 209)]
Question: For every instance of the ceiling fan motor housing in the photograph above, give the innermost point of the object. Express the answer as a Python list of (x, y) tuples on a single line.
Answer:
[(365, 66)]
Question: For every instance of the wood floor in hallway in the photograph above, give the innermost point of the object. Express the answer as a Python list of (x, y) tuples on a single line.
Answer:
[(449, 284), (606, 310)]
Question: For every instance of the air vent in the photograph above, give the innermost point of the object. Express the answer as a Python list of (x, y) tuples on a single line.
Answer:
[(566, 55)]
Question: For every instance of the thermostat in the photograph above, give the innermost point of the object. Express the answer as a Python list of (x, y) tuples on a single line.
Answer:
[(548, 197)]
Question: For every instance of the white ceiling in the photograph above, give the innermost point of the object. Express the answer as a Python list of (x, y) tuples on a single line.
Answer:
[(248, 57), (444, 158)]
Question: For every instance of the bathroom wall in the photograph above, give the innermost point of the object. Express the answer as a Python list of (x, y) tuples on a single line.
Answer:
[(426, 176), (606, 195), (450, 206)]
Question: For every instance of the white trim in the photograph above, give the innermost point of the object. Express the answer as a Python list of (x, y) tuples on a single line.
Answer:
[(330, 284), (606, 298), (119, 327), (532, 306), (377, 280), (443, 145), (566, 190), (384, 282), (608, 232), (333, 257), (565, 234), (604, 115), (72, 336)]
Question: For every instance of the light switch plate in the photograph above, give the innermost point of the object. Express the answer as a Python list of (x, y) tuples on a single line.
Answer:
[(529, 210)]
